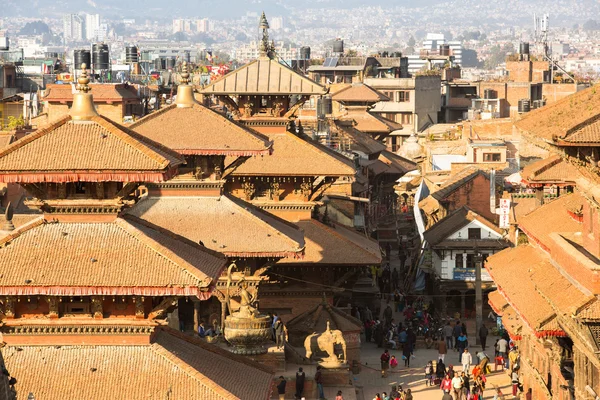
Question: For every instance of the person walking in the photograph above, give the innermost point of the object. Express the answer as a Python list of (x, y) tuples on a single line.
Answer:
[(483, 334), (406, 353), (281, 388), (385, 362), (279, 334), (440, 370), (300, 378), (446, 384), (442, 349), (461, 344), (319, 382), (466, 361), (448, 333), (456, 331), (502, 346), (457, 385)]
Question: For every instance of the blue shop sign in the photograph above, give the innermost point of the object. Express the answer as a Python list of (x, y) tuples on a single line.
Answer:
[(464, 274)]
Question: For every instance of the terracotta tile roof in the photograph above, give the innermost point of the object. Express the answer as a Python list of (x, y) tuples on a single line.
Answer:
[(552, 169), (102, 92), (455, 221), (566, 116), (397, 164), (359, 92), (509, 269), (295, 156), (264, 76), (120, 257), (456, 181), (361, 141), (199, 130), (223, 224), (589, 133), (369, 122), (591, 311), (512, 323), (497, 302), (173, 366), (558, 290), (315, 320), (521, 207), (336, 245), (96, 150), (552, 217)]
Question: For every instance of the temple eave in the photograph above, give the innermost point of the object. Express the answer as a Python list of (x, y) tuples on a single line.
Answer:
[(87, 176), (203, 293)]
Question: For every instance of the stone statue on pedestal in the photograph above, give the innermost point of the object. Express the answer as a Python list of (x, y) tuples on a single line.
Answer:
[(326, 342)]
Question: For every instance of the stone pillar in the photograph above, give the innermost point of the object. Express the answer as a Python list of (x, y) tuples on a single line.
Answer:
[(463, 306)]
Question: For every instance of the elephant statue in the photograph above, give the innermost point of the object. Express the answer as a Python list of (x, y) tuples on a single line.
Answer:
[(326, 342)]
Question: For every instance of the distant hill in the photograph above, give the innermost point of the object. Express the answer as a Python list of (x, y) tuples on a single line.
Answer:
[(236, 8)]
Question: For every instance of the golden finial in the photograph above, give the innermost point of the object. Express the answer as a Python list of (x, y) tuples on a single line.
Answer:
[(185, 92), (185, 75), (83, 108), (83, 80)]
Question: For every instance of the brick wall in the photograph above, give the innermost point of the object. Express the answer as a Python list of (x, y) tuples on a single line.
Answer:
[(475, 194), (519, 71)]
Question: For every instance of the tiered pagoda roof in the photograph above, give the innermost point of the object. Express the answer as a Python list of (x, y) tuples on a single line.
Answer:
[(173, 365), (295, 156), (201, 131), (121, 257), (552, 171), (335, 245), (93, 150), (224, 224), (264, 76), (359, 93)]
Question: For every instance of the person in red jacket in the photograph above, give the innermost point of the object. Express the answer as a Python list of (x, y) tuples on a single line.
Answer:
[(446, 384)]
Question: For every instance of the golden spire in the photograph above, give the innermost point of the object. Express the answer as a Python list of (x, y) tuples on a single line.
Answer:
[(185, 75), (83, 108), (83, 80), (185, 92)]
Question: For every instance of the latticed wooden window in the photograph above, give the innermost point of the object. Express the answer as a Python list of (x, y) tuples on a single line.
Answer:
[(595, 331)]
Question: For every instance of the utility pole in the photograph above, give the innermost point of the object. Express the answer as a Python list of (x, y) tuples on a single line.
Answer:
[(478, 296)]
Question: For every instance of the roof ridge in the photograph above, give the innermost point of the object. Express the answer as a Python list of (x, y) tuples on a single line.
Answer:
[(22, 229), (163, 251), (191, 371), (151, 116), (334, 231), (125, 135), (170, 234)]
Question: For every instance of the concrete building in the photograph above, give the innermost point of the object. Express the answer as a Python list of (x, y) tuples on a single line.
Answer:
[(414, 102), (202, 25), (73, 28), (92, 26)]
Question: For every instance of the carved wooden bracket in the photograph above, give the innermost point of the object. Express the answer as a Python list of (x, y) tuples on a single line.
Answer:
[(160, 311)]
